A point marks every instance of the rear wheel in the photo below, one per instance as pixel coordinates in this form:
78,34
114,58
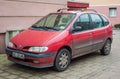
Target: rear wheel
62,60
106,48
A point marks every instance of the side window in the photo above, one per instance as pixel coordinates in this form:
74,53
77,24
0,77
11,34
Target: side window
82,22
105,21
96,21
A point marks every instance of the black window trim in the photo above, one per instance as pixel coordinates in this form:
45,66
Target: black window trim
91,20
103,20
71,30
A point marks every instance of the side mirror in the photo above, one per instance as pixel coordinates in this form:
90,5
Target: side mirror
76,29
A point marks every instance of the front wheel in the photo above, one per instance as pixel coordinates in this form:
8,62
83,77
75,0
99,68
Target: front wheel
106,48
62,60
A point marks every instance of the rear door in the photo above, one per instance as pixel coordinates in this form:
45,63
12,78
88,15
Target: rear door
99,31
82,39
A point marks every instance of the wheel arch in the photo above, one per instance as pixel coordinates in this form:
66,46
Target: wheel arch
66,47
109,39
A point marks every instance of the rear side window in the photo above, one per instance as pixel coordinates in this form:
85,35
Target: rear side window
96,21
105,20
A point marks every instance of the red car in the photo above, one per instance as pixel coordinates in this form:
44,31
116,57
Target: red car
59,37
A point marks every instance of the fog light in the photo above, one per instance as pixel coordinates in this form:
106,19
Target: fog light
36,62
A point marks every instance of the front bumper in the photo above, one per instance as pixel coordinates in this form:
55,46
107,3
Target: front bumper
43,60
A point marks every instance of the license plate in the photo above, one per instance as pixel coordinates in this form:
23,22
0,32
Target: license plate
18,55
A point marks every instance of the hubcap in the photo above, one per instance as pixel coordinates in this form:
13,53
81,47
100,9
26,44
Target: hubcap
107,47
63,60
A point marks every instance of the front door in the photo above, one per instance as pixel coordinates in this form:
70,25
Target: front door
81,36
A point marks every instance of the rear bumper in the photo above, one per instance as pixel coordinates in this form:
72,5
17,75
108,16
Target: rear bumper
44,60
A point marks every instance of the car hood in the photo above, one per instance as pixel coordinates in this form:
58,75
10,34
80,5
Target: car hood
34,37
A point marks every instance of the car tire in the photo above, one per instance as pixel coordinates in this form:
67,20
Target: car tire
106,48
62,60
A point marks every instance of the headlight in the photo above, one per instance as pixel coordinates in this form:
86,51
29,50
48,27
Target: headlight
38,49
10,44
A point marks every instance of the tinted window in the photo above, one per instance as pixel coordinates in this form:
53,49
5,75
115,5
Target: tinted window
96,21
105,21
83,22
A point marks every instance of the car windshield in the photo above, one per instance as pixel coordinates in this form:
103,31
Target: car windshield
54,22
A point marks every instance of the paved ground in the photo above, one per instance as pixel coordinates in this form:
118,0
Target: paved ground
91,66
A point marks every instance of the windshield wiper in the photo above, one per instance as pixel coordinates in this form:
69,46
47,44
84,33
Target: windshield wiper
52,28
43,28
39,28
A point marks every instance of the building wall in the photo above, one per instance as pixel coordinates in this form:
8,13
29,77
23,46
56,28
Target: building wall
21,14
100,2
104,9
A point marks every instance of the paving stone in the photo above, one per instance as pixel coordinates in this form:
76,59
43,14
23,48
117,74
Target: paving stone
71,77
21,78
35,77
57,78
25,75
1,71
49,76
16,72
4,74
12,76
2,78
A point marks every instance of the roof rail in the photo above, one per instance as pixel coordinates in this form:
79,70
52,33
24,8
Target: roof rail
69,9
62,9
72,9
